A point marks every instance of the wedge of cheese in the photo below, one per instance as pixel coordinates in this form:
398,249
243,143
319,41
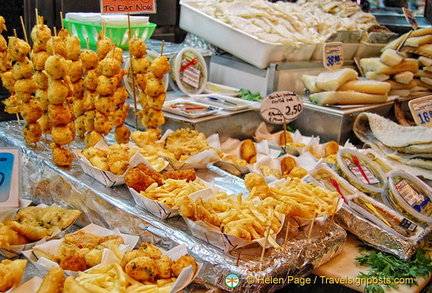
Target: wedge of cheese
333,79
404,77
391,57
309,82
376,76
366,86
346,98
375,64
394,85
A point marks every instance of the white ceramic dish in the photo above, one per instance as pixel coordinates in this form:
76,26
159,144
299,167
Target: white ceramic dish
224,102
189,109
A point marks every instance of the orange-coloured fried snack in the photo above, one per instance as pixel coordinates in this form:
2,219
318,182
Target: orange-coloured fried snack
287,164
138,180
151,172
247,150
11,272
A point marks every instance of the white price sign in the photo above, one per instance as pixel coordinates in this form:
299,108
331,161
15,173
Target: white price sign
421,110
281,107
333,55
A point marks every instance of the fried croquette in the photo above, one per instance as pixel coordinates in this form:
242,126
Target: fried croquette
183,262
61,156
138,180
151,172
150,250
142,269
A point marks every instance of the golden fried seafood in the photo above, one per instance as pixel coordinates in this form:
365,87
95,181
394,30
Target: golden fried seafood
139,65
82,238
56,67
91,80
100,163
38,59
8,236
3,44
89,99
58,91
75,70
183,262
73,262
138,180
298,172
53,281
154,85
89,59
61,156
80,126
287,164
32,132
90,152
2,24
12,104
137,47
92,137
130,255
11,273
116,53
31,111
119,115
153,118
60,114
18,49
40,34
160,66
78,89
24,87
104,104
42,96
102,123
142,269
41,80
8,81
110,66
184,174
5,63
186,142
89,120
256,184
331,148
157,102
45,124
107,85
73,47
122,134
248,151
56,46
62,135
31,231
285,137
119,167
103,46
150,172
140,80
78,107
164,267
23,69
120,95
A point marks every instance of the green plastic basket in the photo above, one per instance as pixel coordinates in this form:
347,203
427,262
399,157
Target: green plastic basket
118,34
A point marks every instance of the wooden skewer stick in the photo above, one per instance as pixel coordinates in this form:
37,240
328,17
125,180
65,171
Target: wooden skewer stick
24,29
332,216
238,257
61,19
15,33
18,119
311,227
286,236
162,47
267,234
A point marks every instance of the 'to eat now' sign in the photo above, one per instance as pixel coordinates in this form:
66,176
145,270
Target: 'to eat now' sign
128,6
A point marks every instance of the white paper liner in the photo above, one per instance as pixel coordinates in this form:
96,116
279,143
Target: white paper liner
108,178
213,235
197,161
30,286
108,255
14,250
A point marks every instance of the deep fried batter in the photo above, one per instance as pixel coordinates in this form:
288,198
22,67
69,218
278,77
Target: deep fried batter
138,180
183,262
185,174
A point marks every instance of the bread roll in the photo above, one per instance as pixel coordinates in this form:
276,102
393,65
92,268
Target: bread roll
366,86
248,150
346,98
332,80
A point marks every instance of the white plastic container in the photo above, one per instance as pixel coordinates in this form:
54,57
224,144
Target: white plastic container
361,172
410,196
189,73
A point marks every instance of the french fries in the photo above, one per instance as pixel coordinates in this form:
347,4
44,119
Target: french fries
172,189
112,278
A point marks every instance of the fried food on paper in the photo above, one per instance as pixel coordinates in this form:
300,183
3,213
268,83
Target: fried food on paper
285,138
287,164
256,185
11,273
138,180
248,151
71,285
53,281
184,174
182,263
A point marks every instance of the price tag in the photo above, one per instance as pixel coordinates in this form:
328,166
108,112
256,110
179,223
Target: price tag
333,55
421,110
9,177
410,18
128,6
281,107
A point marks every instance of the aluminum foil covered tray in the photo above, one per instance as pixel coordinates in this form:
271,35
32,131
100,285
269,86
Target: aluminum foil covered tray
115,208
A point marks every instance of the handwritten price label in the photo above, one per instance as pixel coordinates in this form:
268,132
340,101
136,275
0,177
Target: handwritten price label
333,55
281,107
421,110
128,6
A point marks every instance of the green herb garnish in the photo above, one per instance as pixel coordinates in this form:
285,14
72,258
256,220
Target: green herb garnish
391,269
248,95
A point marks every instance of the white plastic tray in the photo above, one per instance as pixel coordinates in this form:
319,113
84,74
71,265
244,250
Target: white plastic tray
245,46
225,102
189,109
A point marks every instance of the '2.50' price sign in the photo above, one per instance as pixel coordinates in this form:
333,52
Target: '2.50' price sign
421,110
281,107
